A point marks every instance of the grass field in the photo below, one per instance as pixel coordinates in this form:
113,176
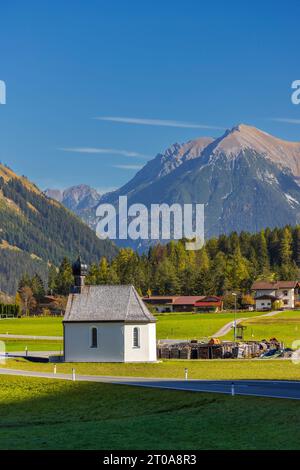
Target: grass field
39,326
32,345
191,325
197,369
171,325
285,326
53,414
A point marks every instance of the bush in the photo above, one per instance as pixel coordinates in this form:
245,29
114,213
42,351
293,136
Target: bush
9,310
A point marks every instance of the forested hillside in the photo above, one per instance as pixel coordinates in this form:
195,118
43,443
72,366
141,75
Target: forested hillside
224,264
36,231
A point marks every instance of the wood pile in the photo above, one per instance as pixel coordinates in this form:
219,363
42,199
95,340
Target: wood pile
215,349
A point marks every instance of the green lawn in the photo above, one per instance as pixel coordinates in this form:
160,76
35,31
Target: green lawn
172,325
39,326
191,325
53,414
285,326
197,369
32,345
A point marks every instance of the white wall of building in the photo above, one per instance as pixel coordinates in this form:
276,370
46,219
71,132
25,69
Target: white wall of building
115,342
77,339
286,295
147,349
264,304
266,292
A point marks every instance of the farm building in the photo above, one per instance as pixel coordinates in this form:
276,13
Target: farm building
107,323
185,303
209,304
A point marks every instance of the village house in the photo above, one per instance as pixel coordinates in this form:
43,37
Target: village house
107,323
184,303
267,292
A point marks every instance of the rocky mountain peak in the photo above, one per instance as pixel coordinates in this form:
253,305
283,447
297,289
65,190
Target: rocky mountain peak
242,137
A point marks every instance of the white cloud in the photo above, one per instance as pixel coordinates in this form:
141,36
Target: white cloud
287,120
128,167
104,151
157,122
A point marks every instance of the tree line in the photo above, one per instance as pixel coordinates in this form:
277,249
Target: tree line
224,264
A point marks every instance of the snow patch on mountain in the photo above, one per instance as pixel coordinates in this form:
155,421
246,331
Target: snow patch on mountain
292,201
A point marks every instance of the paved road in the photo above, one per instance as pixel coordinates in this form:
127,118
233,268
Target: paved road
260,388
271,389
226,328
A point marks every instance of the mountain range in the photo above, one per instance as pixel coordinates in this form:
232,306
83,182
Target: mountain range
246,179
37,231
81,199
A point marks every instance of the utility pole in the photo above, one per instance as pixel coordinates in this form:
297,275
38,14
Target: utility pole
234,322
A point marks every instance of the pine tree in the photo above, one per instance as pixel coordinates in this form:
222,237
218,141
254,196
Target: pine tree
166,281
64,279
37,287
285,248
52,279
296,245
93,275
103,271
262,252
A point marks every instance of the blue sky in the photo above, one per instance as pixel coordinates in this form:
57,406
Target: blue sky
162,64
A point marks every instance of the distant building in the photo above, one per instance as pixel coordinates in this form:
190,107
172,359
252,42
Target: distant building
107,323
266,293
185,303
209,303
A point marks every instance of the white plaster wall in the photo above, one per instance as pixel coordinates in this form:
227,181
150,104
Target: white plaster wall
266,292
259,304
78,342
290,297
147,350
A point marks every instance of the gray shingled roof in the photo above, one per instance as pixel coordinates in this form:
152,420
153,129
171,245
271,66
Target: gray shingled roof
107,303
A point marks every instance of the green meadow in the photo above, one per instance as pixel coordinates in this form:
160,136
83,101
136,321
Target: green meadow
56,414
16,345
169,325
35,326
285,326
194,325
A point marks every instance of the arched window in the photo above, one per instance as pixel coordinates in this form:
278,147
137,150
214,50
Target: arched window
94,337
136,337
